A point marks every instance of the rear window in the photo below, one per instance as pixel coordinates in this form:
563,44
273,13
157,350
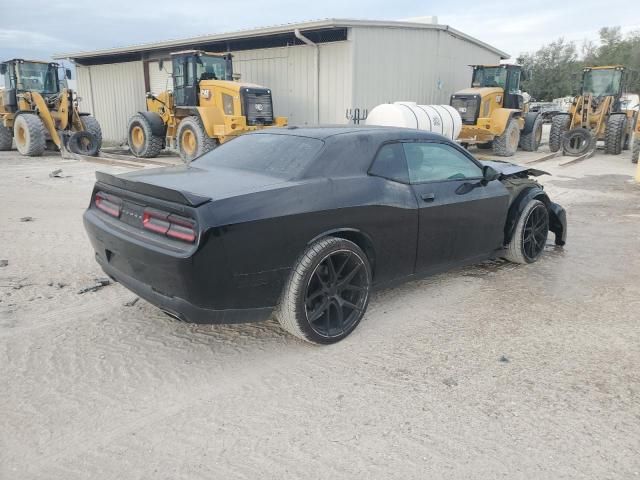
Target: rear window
284,156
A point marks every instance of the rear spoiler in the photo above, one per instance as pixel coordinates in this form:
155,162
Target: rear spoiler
175,196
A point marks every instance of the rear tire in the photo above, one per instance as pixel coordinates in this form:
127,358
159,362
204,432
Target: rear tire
530,235
92,126
30,135
614,134
559,126
327,293
142,142
192,139
529,142
6,138
506,145
635,150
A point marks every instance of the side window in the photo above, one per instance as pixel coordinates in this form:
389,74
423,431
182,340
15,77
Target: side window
433,162
390,163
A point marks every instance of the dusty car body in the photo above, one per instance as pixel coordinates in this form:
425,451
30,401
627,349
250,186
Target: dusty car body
237,233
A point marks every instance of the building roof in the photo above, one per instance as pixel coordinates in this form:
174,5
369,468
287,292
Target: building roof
330,23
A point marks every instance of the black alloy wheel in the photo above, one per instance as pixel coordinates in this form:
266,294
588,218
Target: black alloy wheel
536,229
337,293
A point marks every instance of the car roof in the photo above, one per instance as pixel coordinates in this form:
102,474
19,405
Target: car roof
322,132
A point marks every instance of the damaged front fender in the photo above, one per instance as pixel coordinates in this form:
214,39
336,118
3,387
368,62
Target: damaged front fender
557,214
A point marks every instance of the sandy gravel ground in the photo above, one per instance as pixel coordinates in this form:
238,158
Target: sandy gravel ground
494,371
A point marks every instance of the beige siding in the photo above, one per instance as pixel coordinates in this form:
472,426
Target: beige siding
336,77
290,72
112,93
401,64
160,79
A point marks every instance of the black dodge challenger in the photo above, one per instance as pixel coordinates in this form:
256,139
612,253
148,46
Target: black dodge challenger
303,223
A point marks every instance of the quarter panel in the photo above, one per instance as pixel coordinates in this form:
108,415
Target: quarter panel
264,233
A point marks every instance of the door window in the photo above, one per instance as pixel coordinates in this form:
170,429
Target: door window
390,163
435,162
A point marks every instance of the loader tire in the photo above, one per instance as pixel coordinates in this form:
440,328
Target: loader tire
506,145
192,139
92,126
30,135
142,142
529,142
614,134
578,142
559,126
635,149
83,143
6,138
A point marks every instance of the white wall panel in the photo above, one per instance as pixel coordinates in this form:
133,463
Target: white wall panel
112,93
403,64
160,78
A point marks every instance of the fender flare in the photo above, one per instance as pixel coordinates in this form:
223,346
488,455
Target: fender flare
158,128
360,238
529,121
557,214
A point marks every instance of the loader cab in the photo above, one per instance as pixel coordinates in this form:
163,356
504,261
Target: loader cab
29,76
193,66
506,77
603,82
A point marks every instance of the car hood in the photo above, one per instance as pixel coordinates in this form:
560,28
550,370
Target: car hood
511,169
192,185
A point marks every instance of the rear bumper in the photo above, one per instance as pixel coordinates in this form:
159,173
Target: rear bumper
182,283
182,309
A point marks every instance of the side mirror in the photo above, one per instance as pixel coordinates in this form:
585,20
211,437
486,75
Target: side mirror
489,174
67,73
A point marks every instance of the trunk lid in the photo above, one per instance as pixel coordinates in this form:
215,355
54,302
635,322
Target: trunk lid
190,185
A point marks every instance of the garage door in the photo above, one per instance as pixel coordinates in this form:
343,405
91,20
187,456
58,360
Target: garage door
160,78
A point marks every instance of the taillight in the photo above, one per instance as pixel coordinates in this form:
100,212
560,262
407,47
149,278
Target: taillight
108,204
173,226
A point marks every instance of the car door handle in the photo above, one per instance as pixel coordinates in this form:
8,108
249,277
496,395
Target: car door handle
428,197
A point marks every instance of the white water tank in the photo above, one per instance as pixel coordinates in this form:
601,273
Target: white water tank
442,119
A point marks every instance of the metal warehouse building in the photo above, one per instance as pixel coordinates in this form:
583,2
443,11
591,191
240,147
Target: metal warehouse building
316,70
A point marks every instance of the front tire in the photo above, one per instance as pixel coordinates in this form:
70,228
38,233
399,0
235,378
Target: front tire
327,293
193,140
614,134
635,149
6,138
530,235
30,135
142,142
559,126
506,145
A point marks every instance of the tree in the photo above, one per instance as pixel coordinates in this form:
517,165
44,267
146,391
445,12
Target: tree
551,70
554,69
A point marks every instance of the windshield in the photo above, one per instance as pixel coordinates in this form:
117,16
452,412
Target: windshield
600,83
211,68
489,77
285,156
37,77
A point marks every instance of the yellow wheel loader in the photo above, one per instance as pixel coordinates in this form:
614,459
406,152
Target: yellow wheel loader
205,108
597,113
35,111
493,112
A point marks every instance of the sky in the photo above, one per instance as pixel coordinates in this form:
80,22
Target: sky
514,27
